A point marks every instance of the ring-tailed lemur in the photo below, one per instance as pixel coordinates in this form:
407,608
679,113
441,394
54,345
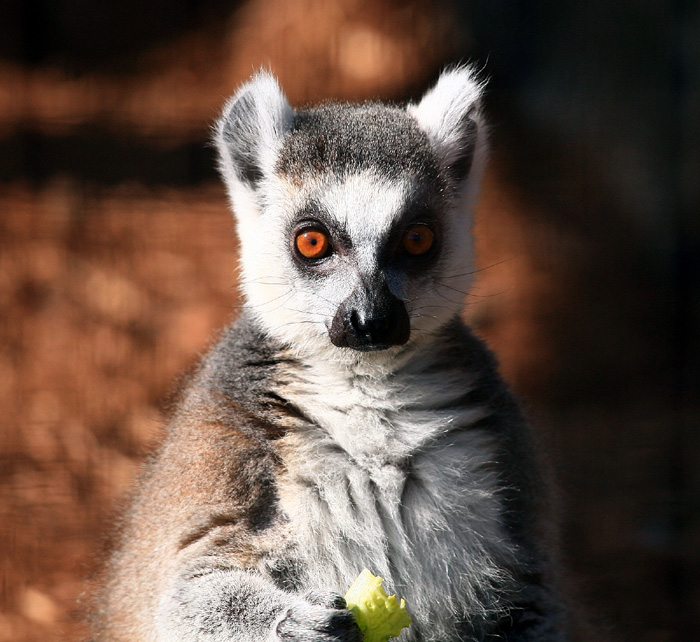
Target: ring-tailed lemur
348,419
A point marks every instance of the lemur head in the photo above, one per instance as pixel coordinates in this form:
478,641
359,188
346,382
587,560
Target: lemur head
354,220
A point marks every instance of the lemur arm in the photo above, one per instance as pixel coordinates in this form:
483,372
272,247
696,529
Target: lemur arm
220,605
193,564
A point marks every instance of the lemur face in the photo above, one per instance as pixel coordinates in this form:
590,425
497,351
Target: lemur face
354,220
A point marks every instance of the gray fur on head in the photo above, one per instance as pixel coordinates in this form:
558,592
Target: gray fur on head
257,118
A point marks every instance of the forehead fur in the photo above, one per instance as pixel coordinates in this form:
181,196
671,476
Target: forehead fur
346,139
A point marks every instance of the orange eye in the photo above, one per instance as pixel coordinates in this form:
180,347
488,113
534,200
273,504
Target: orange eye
312,244
418,239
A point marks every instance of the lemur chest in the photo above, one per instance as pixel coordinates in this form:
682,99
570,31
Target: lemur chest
387,482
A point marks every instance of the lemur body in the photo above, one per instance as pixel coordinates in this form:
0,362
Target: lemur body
349,418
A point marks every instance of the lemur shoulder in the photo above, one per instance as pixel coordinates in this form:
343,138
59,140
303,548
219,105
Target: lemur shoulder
348,418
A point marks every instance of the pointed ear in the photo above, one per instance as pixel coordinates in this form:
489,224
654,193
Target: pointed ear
249,132
450,115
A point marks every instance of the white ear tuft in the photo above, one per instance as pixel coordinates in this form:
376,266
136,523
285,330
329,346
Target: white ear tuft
250,130
450,115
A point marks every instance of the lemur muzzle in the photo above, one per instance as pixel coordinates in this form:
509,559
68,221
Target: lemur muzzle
370,320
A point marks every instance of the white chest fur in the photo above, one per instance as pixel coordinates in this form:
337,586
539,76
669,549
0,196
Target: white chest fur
389,476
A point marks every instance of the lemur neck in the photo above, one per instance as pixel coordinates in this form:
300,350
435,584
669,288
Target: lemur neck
383,409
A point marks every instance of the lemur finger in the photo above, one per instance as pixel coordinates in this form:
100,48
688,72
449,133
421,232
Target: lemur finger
313,623
328,599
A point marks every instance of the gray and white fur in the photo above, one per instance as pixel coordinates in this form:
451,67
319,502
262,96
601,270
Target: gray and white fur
349,418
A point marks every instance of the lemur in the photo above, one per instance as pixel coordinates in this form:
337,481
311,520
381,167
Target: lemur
348,418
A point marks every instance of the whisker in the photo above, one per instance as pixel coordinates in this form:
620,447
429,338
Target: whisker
430,307
300,322
259,306
271,280
470,293
319,314
480,269
454,289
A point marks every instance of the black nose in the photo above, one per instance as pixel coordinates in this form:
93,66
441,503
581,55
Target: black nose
373,320
374,329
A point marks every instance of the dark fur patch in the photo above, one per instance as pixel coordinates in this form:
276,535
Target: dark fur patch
242,145
460,169
259,363
343,139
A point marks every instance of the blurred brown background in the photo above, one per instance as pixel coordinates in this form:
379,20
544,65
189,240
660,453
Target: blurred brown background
118,261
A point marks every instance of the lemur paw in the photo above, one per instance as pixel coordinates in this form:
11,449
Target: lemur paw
320,616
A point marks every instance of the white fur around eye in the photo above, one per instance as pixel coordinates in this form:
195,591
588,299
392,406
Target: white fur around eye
295,309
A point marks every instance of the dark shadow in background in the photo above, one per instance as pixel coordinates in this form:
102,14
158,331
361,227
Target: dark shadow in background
103,156
82,36
598,109
79,37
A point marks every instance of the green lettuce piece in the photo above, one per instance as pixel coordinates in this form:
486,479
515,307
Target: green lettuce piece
378,615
